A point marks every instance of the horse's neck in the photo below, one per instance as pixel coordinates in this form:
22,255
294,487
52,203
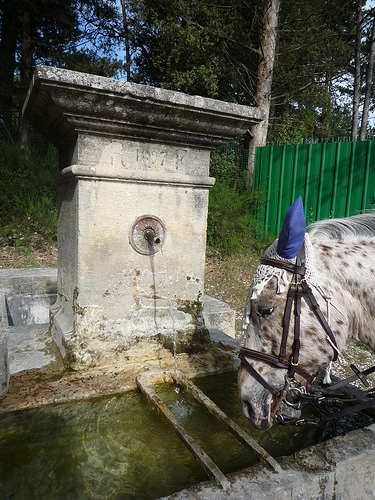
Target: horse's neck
348,271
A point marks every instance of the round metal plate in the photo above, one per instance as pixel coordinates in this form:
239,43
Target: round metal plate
140,227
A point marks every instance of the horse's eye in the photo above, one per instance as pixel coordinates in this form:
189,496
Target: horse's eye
263,312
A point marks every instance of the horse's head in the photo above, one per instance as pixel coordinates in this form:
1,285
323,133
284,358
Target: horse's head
265,315
260,399
275,366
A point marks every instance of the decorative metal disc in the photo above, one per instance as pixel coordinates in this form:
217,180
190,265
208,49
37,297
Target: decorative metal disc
147,234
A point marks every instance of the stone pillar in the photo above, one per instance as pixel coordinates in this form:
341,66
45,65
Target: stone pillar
134,164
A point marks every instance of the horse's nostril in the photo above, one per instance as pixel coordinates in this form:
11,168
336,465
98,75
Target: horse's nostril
247,410
257,420
265,424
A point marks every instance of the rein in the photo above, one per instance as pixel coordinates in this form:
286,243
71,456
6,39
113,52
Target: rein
299,288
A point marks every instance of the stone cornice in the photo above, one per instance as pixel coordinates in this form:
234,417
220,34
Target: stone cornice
61,104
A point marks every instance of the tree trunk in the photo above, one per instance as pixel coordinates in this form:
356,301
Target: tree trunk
267,53
369,73
127,42
357,73
26,74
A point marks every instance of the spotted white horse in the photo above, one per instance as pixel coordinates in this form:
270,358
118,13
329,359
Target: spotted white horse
332,267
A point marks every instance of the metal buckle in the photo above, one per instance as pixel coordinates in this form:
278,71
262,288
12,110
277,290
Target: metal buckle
300,391
283,395
300,421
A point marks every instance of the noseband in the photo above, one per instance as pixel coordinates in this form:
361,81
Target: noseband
298,288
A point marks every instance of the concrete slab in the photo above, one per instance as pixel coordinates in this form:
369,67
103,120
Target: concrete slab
30,281
30,347
224,340
29,309
219,315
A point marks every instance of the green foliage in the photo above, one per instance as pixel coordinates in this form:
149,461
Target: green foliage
232,221
196,47
75,35
89,62
212,49
229,165
28,198
314,61
28,201
232,210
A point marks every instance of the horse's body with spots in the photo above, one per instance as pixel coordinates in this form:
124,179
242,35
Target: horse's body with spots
342,260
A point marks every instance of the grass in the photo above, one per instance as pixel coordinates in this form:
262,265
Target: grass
228,278
28,204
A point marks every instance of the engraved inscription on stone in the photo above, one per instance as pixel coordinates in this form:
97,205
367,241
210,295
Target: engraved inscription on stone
150,158
119,156
112,154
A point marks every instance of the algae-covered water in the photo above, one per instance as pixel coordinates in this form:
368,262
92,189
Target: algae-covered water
119,447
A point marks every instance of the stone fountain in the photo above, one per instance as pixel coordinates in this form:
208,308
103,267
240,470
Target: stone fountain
133,187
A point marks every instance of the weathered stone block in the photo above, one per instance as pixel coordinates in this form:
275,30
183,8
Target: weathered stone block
128,152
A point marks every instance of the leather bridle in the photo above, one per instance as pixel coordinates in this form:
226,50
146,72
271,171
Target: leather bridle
291,394
298,289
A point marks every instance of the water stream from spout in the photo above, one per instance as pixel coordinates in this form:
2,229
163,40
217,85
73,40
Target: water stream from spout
170,303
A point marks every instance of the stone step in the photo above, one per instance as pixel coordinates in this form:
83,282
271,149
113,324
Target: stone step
30,347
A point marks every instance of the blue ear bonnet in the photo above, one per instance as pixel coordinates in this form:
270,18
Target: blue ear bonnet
293,231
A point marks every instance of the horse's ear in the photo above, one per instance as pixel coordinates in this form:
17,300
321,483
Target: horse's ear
293,231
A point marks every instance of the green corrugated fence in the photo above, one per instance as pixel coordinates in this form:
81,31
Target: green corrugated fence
333,179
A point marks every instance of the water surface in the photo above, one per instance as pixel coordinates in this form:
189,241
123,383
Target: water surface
119,447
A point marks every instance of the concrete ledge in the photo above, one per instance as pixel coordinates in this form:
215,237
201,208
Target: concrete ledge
43,281
31,281
218,315
30,347
61,102
341,468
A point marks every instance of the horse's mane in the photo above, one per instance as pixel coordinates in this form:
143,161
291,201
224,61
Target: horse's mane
362,225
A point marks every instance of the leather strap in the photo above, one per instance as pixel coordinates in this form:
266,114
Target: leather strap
272,360
331,416
320,316
297,289
286,322
286,266
298,271
257,375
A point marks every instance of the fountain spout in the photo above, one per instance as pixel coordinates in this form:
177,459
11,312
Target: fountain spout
151,237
